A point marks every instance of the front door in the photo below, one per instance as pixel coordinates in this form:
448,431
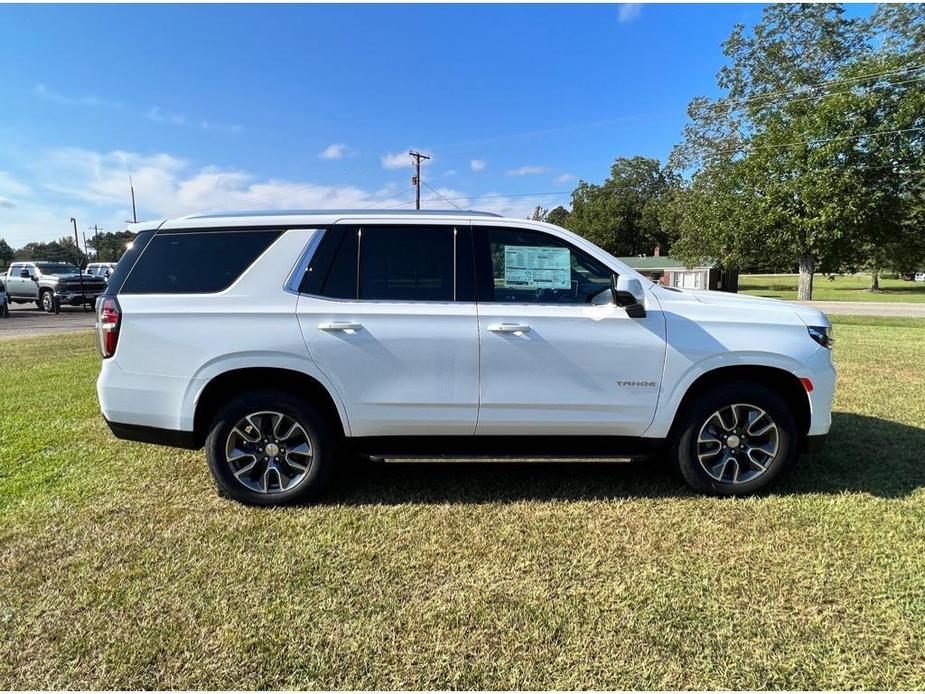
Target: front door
557,356
388,314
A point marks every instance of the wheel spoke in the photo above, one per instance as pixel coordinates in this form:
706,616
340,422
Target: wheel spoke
750,450
269,452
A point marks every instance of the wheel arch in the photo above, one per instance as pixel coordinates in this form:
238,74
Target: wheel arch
783,382
233,382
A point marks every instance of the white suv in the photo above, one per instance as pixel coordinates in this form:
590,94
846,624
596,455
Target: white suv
277,340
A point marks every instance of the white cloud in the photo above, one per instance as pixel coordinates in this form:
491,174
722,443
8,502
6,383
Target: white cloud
335,151
93,101
54,185
527,171
477,164
158,115
399,160
628,11
451,172
565,178
8,204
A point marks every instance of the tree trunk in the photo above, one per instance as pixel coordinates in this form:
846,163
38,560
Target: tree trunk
875,280
805,287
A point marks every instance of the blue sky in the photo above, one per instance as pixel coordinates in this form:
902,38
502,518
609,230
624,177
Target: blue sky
239,107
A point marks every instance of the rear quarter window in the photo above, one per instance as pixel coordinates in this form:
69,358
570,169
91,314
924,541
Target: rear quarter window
195,262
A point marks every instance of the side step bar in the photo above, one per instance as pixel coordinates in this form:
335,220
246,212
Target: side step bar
502,459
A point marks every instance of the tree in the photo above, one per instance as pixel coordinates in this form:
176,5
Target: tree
558,216
538,214
623,214
63,249
110,246
788,145
6,253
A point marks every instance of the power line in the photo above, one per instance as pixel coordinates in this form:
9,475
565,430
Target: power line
389,199
829,83
442,196
819,141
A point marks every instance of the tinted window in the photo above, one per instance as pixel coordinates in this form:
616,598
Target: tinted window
198,262
406,264
341,280
528,267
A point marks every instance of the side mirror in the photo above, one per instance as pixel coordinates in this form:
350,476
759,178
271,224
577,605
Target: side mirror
628,293
24,274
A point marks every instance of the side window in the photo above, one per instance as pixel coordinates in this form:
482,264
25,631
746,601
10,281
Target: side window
195,262
531,267
407,264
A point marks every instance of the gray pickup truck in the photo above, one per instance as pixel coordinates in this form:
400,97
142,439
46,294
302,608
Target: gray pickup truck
50,285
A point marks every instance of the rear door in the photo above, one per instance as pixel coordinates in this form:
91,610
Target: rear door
557,356
388,314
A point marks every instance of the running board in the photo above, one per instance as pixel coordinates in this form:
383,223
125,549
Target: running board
501,459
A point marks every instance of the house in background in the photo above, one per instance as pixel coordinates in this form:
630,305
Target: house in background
673,273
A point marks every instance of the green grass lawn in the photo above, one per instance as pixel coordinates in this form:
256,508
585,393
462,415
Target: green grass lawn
120,568
842,288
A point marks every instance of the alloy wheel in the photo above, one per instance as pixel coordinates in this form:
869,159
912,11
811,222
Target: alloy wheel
269,452
737,443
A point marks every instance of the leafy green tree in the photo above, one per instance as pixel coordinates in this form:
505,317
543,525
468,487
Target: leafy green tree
6,253
558,216
623,214
110,246
787,145
64,250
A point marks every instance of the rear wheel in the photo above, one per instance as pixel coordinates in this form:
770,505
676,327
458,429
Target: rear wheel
270,448
735,440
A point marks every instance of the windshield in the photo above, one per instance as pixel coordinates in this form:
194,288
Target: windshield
57,269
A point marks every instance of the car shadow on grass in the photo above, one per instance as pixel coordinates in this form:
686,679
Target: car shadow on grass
863,454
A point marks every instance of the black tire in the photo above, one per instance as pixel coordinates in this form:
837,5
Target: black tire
684,442
38,305
47,301
314,424
6,309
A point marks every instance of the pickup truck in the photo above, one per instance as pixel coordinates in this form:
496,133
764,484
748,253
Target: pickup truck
50,284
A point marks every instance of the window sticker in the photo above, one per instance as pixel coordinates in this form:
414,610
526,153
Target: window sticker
537,267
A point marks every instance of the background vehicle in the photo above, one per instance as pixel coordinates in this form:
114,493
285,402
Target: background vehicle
102,270
49,283
277,340
4,301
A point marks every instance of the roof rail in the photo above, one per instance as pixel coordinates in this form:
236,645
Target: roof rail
344,213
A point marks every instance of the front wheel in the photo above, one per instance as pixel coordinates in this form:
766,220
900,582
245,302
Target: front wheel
269,448
48,301
735,440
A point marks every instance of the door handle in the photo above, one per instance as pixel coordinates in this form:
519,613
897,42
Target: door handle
509,328
332,326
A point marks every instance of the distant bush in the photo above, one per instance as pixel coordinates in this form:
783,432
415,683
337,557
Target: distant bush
889,275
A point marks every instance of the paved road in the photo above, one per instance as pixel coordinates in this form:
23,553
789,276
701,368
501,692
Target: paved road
26,320
868,308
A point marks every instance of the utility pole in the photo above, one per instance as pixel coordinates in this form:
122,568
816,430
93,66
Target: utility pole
80,272
96,241
131,185
416,180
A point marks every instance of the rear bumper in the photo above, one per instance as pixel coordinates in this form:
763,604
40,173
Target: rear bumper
161,437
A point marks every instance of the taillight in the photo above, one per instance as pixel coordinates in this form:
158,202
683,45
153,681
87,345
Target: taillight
107,325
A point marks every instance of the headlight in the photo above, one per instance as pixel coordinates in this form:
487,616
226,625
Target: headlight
822,335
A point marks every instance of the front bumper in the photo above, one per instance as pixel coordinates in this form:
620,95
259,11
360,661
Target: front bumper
74,298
